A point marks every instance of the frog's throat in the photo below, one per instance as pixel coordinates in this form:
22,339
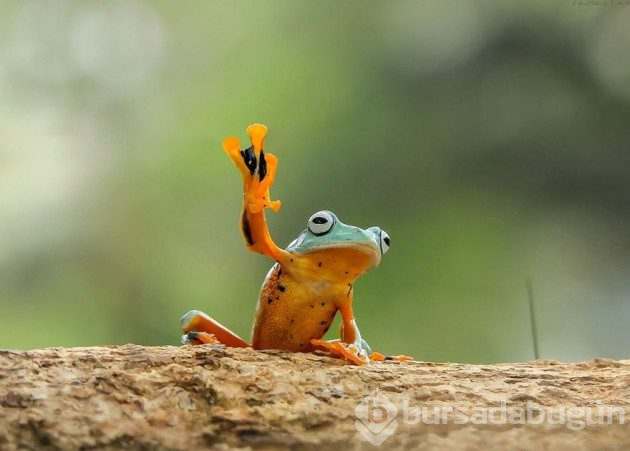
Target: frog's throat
370,249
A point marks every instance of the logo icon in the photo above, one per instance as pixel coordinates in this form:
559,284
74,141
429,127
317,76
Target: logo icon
376,417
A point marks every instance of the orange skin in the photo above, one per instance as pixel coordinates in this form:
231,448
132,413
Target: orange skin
292,313
303,291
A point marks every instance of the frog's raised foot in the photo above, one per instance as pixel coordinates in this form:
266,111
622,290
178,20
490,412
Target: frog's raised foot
258,169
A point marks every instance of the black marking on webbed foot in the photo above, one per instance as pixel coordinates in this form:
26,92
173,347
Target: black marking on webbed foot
262,166
247,231
249,157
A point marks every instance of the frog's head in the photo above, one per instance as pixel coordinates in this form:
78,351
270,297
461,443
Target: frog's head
335,246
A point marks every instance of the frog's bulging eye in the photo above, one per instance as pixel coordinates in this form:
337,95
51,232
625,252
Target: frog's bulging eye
321,223
385,240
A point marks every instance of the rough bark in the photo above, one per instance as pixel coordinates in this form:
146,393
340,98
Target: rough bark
211,397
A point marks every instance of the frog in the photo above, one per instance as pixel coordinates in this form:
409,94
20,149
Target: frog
311,280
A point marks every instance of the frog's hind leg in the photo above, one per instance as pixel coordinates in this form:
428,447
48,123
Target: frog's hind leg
199,328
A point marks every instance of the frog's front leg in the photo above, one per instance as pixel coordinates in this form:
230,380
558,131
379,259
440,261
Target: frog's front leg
258,170
351,346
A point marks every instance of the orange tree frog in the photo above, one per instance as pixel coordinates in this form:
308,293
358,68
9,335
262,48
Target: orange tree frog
311,280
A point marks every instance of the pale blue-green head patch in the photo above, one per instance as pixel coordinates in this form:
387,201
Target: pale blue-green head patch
324,230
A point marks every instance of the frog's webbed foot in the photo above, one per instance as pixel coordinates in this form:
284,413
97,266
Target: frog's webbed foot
352,352
199,338
257,168
358,353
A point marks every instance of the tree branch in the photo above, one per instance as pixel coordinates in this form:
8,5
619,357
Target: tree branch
209,396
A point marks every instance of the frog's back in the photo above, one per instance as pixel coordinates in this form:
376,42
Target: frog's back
290,314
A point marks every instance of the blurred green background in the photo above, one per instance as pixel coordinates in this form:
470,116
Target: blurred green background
490,139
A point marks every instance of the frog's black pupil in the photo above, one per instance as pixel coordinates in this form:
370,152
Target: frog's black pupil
320,220
386,239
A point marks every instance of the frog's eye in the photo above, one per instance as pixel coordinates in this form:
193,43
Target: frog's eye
321,222
384,241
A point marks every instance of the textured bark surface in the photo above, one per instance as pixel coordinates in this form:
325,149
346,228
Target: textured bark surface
212,397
